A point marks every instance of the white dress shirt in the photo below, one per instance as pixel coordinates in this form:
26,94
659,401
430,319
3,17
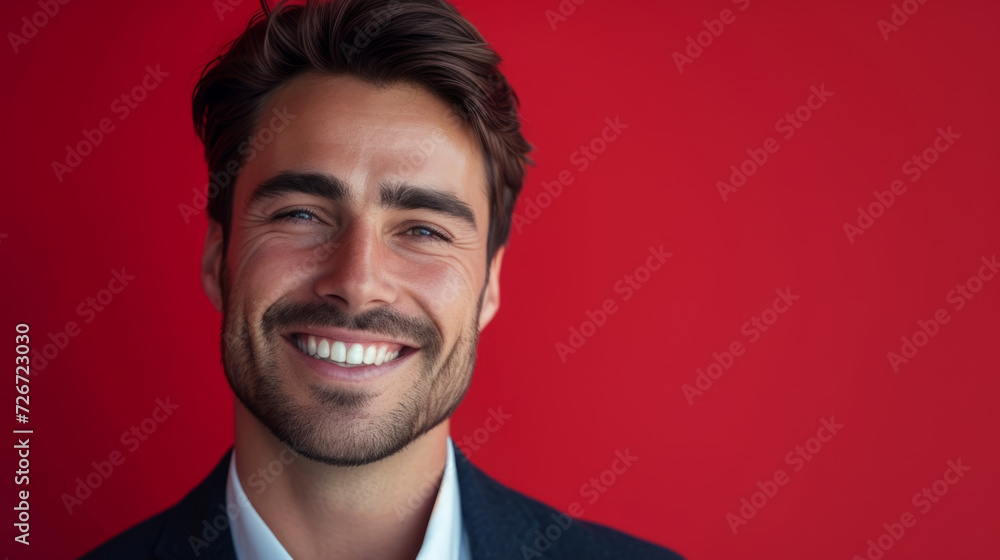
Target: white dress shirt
445,538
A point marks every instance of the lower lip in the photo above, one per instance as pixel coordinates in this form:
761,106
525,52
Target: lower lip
328,370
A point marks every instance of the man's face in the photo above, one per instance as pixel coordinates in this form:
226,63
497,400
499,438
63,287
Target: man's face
358,235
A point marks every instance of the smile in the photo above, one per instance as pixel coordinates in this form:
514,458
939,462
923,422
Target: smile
349,354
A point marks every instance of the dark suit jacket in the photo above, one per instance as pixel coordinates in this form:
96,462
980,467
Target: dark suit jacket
501,523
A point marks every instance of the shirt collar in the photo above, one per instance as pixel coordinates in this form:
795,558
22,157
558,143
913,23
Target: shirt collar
445,537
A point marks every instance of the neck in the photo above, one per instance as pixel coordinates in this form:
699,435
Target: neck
380,510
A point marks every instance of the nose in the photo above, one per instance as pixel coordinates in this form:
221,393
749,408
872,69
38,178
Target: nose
355,273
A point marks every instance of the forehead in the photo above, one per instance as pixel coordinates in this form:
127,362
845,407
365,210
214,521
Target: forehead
364,135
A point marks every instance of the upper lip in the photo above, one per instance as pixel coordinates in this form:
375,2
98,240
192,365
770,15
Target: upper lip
349,336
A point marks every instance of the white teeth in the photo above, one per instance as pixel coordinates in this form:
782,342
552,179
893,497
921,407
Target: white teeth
355,354
338,352
370,353
345,353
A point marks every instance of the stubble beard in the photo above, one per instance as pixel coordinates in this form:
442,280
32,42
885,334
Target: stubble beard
336,426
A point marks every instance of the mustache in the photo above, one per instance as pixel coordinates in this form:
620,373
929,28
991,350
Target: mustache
283,316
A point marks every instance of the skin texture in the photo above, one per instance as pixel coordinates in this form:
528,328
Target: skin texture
362,450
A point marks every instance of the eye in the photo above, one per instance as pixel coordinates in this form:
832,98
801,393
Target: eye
429,233
296,215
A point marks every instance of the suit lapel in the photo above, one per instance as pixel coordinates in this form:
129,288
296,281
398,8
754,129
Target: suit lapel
198,527
494,516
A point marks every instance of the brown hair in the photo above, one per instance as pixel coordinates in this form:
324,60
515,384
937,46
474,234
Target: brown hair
384,42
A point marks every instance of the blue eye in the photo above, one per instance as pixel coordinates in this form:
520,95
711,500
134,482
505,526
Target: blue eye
296,215
304,215
430,232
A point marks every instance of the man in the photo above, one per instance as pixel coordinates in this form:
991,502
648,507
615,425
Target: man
366,156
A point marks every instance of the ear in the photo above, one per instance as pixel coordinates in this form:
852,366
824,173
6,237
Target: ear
211,264
491,298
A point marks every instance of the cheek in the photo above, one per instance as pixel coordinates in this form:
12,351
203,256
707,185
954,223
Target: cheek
445,287
272,267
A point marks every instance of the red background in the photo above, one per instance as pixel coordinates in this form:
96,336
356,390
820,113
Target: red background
654,185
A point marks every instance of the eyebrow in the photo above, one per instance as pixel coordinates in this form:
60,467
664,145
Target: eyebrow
393,195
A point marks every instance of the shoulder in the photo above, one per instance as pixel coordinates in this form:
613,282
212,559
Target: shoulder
196,526
504,523
137,541
615,544
562,536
